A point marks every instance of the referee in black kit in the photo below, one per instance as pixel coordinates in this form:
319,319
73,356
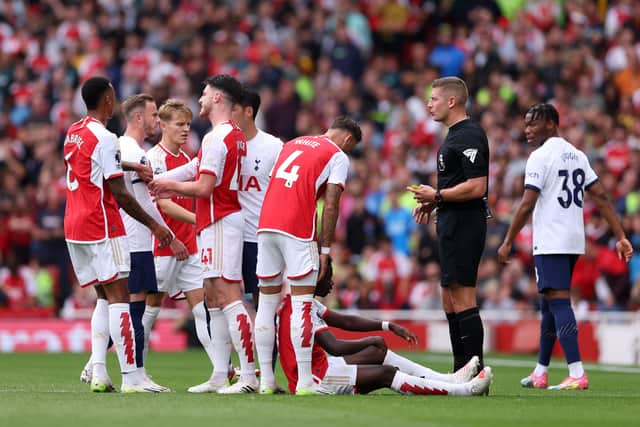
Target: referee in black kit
463,168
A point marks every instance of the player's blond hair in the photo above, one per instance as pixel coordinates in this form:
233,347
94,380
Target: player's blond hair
173,106
453,86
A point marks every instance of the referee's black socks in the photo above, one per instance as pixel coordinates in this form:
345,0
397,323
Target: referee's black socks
459,357
471,334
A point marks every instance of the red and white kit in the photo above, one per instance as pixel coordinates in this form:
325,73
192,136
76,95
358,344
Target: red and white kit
288,218
176,277
219,221
93,228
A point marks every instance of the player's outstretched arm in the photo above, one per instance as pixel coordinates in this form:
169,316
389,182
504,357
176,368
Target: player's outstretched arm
176,211
166,189
335,347
362,324
127,202
144,171
329,220
623,246
525,208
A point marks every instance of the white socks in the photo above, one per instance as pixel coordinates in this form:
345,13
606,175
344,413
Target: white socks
221,343
407,384
540,370
121,332
148,319
100,337
576,370
408,367
200,319
241,332
265,335
302,337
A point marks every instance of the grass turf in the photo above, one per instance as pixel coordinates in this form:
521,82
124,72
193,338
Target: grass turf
44,390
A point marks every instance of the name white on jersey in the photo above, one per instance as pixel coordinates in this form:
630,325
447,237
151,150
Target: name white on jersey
262,153
138,235
561,173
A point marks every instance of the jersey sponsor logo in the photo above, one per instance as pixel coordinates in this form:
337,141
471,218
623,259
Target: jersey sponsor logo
440,162
157,171
471,153
534,175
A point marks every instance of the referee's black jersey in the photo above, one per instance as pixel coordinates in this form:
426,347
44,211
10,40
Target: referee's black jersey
463,155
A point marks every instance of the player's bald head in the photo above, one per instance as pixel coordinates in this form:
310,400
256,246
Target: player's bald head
453,87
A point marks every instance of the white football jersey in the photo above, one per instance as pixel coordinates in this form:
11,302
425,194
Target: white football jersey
561,173
262,153
138,235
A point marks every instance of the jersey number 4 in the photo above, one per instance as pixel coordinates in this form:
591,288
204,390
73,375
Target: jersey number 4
289,176
575,195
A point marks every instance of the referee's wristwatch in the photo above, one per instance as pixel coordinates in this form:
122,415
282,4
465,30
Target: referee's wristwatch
438,197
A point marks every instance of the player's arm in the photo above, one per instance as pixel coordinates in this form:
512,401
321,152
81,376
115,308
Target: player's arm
525,208
471,189
335,347
166,189
329,219
623,246
129,204
144,171
176,211
184,172
362,324
141,193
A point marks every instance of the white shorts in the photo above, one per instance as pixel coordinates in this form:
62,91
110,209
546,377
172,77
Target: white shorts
220,247
340,377
100,263
176,277
278,251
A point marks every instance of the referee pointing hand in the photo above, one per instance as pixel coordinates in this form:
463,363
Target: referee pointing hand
463,167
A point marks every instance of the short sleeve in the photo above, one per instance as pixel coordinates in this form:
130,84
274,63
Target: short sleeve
590,175
214,153
534,173
473,160
339,169
110,157
134,154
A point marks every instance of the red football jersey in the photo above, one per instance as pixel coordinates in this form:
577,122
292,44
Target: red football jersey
161,161
220,155
319,362
92,156
304,167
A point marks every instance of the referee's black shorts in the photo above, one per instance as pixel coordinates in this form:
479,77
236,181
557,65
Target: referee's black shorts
461,237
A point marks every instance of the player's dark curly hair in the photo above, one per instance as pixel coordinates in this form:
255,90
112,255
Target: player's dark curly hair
544,111
93,90
227,84
348,124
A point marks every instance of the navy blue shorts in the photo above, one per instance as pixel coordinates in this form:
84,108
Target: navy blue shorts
142,277
249,261
554,271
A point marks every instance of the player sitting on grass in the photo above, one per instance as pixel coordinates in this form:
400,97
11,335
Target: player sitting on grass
366,364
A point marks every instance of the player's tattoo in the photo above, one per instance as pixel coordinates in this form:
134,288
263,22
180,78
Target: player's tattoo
330,213
127,202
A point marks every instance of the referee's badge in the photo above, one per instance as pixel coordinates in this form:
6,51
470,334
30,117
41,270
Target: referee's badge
440,162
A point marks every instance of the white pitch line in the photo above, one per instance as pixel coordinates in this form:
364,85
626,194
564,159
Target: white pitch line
527,364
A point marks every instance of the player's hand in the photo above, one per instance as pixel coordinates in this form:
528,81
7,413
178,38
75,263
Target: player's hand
161,189
404,333
324,266
503,252
422,212
423,193
144,172
162,235
179,250
624,249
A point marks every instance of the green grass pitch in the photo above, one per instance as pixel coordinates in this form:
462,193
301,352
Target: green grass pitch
44,390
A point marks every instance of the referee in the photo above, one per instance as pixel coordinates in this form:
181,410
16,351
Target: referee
463,167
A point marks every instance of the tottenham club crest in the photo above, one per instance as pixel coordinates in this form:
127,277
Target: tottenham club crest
440,162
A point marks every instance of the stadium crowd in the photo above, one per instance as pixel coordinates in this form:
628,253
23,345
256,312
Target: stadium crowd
310,61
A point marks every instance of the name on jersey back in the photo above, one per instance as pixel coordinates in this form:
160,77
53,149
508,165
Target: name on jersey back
569,156
74,139
308,142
